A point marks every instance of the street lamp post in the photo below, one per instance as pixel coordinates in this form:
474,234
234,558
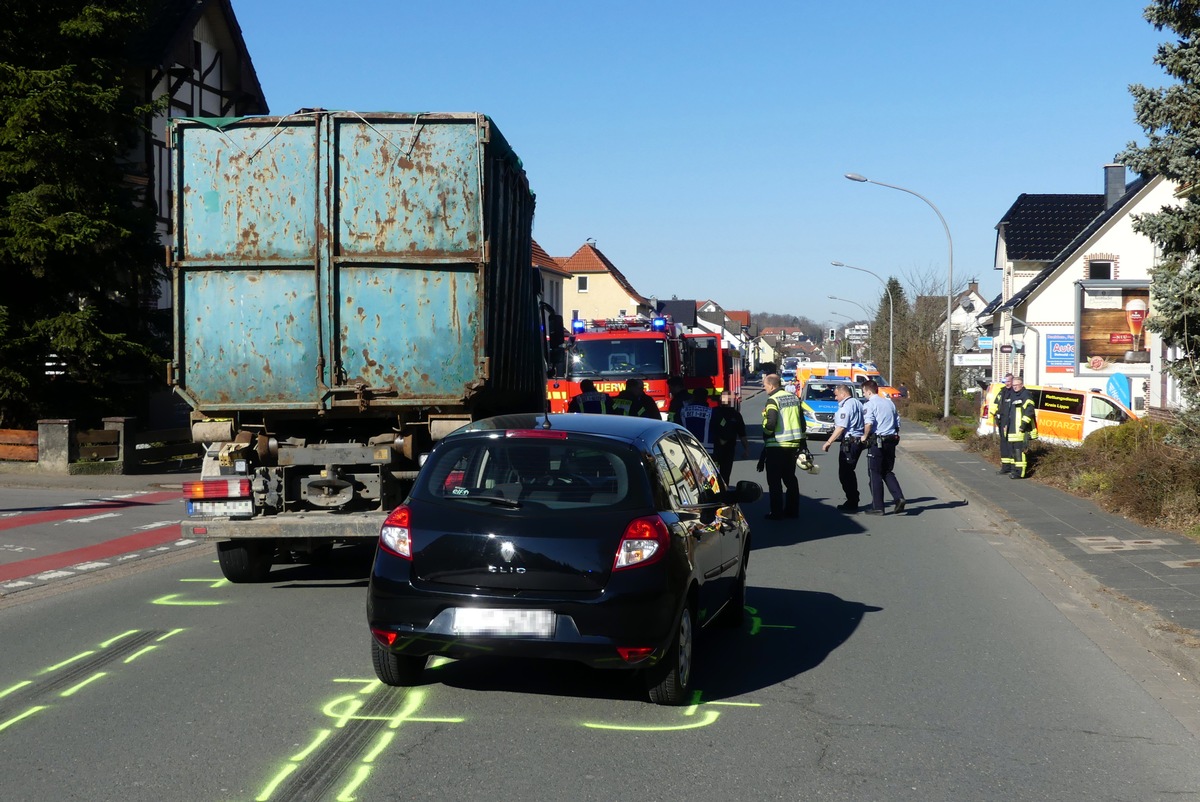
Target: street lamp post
949,273
866,311
891,313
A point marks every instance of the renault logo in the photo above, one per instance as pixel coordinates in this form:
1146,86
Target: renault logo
508,551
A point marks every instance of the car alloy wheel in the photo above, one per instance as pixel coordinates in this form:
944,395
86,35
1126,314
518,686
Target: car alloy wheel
670,681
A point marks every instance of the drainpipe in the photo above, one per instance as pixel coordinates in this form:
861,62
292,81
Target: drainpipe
1036,339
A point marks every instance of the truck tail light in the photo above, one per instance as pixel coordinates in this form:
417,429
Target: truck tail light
395,536
217,488
645,541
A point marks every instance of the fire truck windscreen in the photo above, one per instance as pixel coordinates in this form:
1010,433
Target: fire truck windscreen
645,358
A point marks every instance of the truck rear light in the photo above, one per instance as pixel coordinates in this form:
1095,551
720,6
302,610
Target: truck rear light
645,541
634,654
395,536
217,488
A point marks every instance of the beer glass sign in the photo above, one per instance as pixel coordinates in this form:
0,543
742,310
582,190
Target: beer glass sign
1112,328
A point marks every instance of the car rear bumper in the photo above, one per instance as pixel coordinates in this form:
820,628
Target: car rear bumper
633,611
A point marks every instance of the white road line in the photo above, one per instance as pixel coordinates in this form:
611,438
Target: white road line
18,584
88,566
91,518
158,524
55,575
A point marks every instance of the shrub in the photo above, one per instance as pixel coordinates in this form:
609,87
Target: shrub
958,432
923,413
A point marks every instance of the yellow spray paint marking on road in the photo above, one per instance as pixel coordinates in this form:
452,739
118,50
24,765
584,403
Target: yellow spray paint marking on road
103,656
703,720
71,691
757,626
212,583
347,710
174,600
4,725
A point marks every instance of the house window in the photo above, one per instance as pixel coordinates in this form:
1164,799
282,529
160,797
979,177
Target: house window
574,314
581,283
1100,270
621,313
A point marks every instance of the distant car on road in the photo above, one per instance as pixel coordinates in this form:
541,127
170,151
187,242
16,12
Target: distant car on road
819,404
595,538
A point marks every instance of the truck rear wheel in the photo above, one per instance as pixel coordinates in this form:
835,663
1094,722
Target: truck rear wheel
246,560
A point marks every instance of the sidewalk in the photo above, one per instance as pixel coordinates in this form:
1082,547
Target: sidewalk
1152,576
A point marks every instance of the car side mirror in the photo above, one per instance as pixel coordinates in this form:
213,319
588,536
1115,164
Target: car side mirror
745,492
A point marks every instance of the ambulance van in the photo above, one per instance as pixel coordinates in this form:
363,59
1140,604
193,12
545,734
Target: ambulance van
1064,417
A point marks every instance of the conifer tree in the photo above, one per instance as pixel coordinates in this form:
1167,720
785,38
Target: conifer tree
78,250
1170,117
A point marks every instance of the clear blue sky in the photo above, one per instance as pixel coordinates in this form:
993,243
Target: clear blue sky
703,144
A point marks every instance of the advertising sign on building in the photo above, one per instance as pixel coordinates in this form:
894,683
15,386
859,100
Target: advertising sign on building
1111,329
1060,353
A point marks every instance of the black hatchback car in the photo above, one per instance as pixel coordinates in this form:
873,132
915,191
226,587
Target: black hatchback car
596,538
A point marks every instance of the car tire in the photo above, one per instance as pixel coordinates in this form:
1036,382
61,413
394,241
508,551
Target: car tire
669,682
397,670
246,560
734,613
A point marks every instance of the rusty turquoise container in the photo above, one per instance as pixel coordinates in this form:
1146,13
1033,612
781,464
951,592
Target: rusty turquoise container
354,264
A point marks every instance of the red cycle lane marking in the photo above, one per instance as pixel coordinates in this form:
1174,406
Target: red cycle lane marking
100,551
84,510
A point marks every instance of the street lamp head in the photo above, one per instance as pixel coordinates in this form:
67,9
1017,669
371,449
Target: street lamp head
856,177
838,264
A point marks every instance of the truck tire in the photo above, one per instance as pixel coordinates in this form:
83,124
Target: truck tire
397,670
246,560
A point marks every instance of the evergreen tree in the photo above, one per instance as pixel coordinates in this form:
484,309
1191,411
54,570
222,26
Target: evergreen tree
1170,117
78,248
887,335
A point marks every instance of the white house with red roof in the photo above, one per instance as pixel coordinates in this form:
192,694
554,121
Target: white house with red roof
596,289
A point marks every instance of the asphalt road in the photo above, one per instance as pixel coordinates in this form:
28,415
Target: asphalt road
926,656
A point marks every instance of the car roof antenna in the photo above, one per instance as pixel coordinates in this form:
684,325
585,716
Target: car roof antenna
546,412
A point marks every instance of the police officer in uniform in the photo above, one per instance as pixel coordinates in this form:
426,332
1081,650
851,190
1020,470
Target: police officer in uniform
848,429
881,429
590,400
783,436
1000,415
1021,426
634,402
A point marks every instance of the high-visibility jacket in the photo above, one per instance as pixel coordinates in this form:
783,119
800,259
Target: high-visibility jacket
594,402
697,419
641,407
788,430
1020,417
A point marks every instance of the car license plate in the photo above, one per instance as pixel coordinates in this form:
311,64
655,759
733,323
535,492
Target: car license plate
505,623
244,507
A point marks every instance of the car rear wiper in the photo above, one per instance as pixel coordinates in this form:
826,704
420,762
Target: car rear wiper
511,503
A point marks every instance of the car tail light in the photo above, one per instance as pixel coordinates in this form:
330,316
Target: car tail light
634,654
645,541
395,535
217,488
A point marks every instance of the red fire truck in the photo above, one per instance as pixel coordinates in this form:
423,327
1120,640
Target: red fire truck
610,352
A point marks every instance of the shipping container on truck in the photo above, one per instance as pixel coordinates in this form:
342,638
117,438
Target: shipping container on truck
349,288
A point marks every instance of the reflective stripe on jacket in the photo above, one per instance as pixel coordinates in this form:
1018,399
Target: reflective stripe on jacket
789,426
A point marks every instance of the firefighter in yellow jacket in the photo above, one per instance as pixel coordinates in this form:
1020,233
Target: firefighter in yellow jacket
784,436
1020,427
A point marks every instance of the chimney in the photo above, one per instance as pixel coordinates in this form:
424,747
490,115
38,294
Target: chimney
1114,184
973,286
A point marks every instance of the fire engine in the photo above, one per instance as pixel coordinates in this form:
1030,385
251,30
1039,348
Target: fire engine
612,351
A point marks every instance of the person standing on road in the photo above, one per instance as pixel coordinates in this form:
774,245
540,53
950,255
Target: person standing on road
881,429
677,398
1000,418
848,429
1021,427
634,402
590,399
728,427
903,388
783,437
696,416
